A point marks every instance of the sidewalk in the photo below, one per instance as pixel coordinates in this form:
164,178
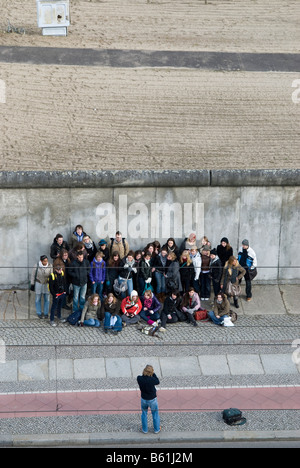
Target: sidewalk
78,385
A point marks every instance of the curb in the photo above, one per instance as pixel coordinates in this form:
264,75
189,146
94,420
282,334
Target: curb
150,178
103,439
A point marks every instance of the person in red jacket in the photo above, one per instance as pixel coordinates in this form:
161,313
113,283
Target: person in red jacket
131,307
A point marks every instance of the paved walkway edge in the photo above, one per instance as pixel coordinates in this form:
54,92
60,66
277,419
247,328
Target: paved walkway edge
103,439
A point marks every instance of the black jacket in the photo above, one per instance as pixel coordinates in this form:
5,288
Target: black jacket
79,271
55,248
57,283
147,386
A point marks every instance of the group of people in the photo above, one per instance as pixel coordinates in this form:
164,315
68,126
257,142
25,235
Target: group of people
159,284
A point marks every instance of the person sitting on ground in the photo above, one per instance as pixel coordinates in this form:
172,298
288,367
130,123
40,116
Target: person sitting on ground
131,307
221,309
191,303
110,310
91,311
171,312
151,308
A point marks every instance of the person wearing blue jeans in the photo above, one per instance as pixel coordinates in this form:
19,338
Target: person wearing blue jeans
221,309
91,312
147,383
78,272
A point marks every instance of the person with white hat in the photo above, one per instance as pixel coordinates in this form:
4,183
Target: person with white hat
131,307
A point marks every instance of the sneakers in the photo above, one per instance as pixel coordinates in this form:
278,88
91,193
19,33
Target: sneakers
53,324
157,432
162,329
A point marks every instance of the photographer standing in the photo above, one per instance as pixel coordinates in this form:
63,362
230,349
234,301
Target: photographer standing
147,383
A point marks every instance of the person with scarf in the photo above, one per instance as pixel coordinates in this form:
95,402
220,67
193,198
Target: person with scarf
39,283
91,312
151,308
77,236
128,267
146,270
131,307
89,247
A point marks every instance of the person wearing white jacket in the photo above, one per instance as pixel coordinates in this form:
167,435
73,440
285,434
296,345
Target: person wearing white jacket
248,260
197,262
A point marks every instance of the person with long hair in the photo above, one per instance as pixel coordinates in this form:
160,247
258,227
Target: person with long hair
232,274
91,311
131,307
147,382
110,309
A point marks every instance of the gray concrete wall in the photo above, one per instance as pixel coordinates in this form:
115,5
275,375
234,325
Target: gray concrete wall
143,209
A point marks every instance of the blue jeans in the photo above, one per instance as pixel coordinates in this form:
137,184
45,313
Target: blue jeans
38,304
153,405
98,288
79,293
129,286
160,282
91,323
57,306
217,321
145,315
117,326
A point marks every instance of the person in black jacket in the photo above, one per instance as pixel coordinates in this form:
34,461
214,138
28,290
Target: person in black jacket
57,288
171,312
58,244
216,270
147,383
78,272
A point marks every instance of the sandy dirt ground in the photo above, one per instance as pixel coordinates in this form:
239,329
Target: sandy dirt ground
95,118
228,25
64,117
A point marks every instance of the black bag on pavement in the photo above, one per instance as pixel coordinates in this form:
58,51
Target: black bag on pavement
233,417
74,318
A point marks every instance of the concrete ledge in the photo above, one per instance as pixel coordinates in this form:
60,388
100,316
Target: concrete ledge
103,439
149,178
255,177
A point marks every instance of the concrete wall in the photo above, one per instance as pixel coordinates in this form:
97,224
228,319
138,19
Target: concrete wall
261,210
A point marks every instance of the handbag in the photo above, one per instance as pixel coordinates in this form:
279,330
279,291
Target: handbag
252,273
201,314
233,417
233,289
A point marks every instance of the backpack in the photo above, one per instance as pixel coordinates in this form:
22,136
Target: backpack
74,318
111,244
233,417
